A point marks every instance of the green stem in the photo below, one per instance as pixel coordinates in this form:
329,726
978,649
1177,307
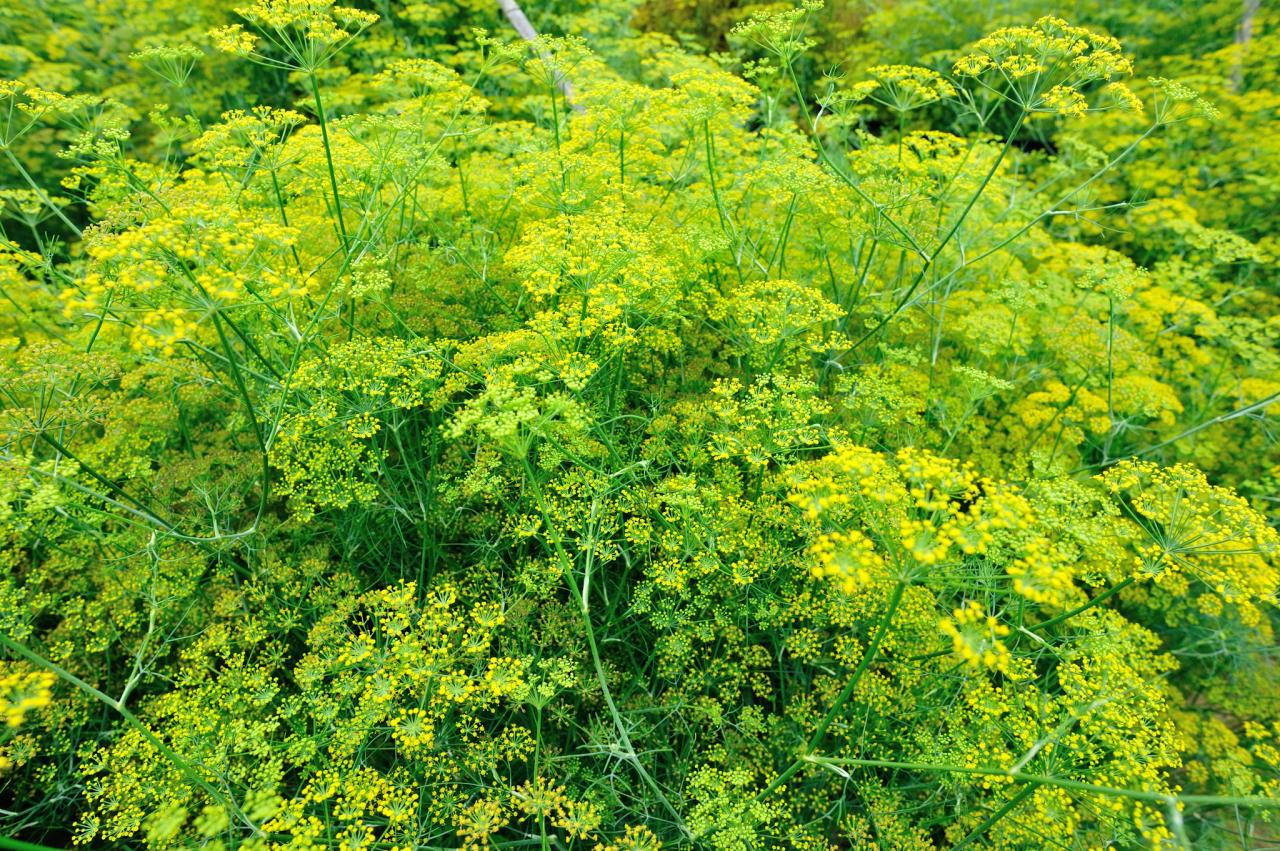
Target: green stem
258,435
1061,783
537,754
1222,418
144,510
40,193
991,820
328,157
946,240
725,221
18,845
181,764
1037,219
1105,595
585,610
867,658
844,178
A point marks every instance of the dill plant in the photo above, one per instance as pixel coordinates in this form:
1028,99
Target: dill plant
415,438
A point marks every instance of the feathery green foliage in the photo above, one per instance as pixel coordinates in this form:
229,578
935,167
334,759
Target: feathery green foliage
812,428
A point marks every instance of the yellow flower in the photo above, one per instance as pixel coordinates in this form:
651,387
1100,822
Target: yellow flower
22,693
975,637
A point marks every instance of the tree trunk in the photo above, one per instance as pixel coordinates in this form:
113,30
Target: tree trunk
520,22
1244,34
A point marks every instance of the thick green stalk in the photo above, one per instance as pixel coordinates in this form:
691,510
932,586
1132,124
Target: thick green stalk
18,845
328,158
991,820
1105,595
867,658
584,609
40,193
132,720
1166,798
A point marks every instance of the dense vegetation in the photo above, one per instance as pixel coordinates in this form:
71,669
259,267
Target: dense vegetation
707,426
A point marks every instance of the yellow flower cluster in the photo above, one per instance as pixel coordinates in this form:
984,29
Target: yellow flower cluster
976,637
847,557
1023,51
549,806
907,87
308,32
595,442
172,274
24,692
1042,575
1049,67
917,506
1195,537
